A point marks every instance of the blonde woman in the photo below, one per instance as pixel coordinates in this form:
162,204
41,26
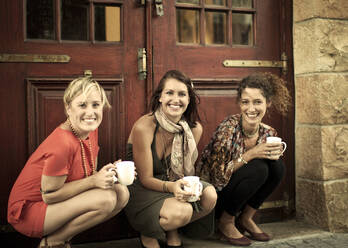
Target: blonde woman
59,193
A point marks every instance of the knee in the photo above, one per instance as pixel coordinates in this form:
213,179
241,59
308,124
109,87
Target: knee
209,198
278,169
181,215
259,171
122,196
106,202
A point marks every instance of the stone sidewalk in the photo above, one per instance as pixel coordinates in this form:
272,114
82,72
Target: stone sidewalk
287,234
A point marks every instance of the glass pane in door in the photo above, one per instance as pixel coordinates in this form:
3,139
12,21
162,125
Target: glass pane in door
242,3
74,20
188,1
215,2
187,26
242,29
40,19
107,23
215,31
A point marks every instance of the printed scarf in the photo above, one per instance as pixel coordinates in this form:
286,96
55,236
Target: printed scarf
184,149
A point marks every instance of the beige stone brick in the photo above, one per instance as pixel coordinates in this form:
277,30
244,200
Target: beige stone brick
322,98
335,152
336,193
324,204
308,152
311,204
320,45
306,9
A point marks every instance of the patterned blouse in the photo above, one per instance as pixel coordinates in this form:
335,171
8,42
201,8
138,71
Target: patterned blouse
226,144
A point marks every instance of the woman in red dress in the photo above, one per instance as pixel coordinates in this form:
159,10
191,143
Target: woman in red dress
59,193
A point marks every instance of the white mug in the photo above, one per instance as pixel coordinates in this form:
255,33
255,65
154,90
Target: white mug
273,139
195,187
125,172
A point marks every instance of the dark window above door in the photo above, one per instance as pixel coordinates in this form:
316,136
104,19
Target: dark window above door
215,22
74,20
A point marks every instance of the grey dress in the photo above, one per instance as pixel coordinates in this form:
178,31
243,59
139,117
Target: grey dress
144,205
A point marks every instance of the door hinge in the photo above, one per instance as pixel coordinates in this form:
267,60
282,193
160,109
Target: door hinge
283,63
142,70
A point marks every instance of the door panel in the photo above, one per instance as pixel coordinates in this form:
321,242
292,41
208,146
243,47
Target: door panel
195,55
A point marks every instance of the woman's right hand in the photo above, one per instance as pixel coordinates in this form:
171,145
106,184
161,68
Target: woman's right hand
178,190
104,177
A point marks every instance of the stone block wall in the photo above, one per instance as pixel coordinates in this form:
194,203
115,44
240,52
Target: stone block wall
320,29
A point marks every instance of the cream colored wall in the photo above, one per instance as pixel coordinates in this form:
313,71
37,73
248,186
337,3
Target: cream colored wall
321,132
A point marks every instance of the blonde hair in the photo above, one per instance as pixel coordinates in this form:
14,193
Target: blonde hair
84,85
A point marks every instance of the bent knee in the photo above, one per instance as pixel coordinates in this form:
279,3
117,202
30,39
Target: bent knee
122,196
259,170
106,201
209,198
180,214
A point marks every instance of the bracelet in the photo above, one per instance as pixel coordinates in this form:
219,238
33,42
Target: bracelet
241,159
165,188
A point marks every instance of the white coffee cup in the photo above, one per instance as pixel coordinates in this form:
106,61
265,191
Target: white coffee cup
273,139
125,172
195,187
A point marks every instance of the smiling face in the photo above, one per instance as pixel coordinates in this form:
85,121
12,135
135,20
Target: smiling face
174,99
253,106
85,112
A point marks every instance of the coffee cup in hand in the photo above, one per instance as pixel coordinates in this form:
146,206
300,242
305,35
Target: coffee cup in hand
125,172
273,139
194,187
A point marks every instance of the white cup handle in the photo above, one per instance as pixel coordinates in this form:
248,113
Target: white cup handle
284,144
200,188
114,177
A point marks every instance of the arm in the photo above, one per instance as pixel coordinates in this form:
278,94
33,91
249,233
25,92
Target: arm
197,132
54,189
142,136
214,165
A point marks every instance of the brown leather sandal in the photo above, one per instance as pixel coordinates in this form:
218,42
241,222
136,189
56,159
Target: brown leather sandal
62,245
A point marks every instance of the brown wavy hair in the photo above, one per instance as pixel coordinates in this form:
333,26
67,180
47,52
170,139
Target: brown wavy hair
273,88
191,114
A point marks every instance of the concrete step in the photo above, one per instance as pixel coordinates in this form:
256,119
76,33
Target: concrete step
282,232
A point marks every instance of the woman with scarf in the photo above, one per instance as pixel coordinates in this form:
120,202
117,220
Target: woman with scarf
240,164
163,145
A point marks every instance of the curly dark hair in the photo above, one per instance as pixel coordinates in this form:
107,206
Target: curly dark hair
273,88
191,114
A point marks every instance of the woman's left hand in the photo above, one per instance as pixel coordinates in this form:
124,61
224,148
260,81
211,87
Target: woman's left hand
270,151
273,151
179,193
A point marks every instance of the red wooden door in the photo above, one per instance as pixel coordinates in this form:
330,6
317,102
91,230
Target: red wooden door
44,45
198,36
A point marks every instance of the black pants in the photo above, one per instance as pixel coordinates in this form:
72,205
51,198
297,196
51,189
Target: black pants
250,185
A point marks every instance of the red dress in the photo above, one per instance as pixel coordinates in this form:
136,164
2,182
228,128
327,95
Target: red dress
59,154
